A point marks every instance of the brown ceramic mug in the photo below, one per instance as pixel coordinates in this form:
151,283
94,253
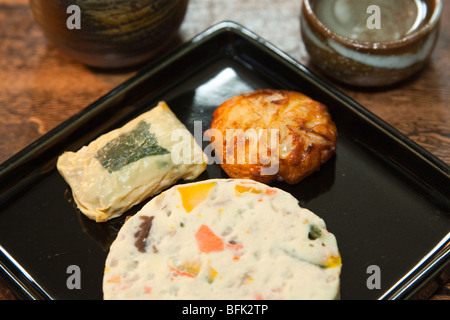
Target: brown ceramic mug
365,55
110,33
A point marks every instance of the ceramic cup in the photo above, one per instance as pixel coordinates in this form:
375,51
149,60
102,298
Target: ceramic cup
110,33
370,43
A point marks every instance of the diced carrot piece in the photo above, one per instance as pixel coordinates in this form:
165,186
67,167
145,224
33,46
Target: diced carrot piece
270,192
234,246
333,261
148,289
182,273
193,195
207,240
247,182
212,273
115,279
189,268
241,189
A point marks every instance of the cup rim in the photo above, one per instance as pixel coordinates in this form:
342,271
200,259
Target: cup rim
308,12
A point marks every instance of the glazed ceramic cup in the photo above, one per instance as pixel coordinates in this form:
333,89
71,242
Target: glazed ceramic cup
407,34
110,33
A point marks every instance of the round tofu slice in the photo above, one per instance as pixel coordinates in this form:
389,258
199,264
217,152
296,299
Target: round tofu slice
223,239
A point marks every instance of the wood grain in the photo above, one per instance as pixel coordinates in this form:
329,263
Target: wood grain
40,87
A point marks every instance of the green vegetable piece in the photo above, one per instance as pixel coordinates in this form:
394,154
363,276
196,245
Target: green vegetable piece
130,147
314,232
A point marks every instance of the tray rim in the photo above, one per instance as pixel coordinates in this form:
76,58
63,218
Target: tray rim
406,286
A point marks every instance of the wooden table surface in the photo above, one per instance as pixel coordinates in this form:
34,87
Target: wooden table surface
40,87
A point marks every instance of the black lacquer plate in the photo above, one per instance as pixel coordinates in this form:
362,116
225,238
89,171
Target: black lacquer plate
386,199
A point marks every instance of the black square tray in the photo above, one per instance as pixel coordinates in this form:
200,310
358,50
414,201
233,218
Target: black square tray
386,199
